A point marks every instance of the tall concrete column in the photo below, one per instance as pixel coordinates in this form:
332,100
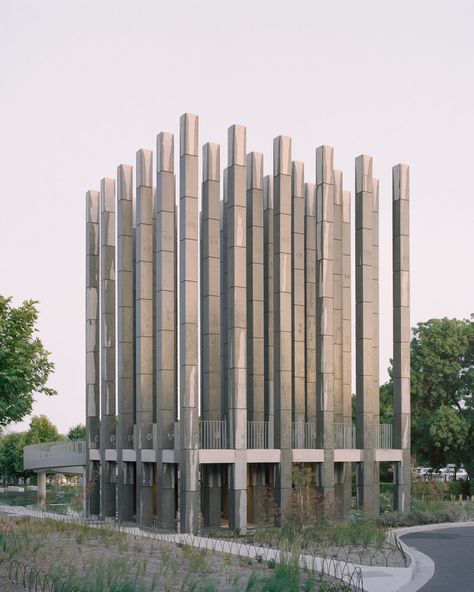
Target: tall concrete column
237,322
125,341
376,329
346,339
310,300
255,280
108,385
268,298
92,351
224,351
365,395
298,291
166,324
282,317
338,296
325,317
255,325
144,335
375,301
401,331
188,321
346,308
211,398
339,468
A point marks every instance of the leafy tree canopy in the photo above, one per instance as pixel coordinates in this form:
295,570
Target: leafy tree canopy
42,430
77,432
11,455
24,363
442,392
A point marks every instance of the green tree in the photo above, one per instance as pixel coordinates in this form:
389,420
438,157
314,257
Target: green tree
24,363
442,392
42,430
77,432
11,456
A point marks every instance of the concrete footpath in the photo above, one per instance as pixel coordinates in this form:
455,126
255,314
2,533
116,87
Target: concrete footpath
375,578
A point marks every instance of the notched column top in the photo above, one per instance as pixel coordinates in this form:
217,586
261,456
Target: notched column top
363,177
211,162
268,192
188,134
236,145
338,187
324,165
297,178
125,181
375,185
144,168
282,155
165,152
92,206
107,194
310,199
400,181
346,207
254,170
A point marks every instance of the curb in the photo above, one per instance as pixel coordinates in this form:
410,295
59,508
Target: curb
422,566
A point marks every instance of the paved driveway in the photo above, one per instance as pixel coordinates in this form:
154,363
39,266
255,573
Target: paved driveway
452,550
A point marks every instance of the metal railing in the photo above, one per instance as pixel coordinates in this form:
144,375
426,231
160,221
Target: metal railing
67,453
383,436
213,434
258,434
344,435
303,434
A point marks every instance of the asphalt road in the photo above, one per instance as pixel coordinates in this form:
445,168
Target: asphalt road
452,551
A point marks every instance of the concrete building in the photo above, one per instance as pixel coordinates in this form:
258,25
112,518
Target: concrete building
219,336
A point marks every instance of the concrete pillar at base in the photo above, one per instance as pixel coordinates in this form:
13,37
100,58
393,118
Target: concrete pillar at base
109,494
41,489
126,492
238,492
145,495
93,489
402,483
211,495
342,490
257,491
166,495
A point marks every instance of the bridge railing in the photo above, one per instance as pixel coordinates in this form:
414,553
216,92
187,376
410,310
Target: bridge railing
54,454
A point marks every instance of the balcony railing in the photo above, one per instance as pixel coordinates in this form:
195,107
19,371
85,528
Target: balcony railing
344,435
383,436
258,434
303,434
213,434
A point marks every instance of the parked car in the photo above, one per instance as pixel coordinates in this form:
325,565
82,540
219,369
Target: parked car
449,473
423,473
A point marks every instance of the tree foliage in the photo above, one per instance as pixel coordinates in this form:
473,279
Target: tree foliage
442,392
42,430
24,363
77,432
11,455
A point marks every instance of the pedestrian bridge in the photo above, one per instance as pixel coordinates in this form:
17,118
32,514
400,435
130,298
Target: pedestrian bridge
56,457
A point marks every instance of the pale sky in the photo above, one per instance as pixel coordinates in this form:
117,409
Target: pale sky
84,84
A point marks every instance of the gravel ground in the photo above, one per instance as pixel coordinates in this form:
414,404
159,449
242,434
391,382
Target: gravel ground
97,554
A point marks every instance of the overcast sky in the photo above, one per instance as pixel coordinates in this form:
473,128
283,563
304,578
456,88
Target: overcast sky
84,84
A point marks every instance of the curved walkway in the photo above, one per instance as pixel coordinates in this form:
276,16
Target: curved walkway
444,555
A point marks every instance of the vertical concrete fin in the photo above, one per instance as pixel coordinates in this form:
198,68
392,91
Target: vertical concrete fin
188,315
